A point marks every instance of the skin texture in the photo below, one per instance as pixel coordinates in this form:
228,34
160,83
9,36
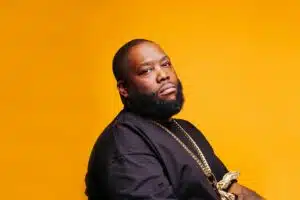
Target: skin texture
244,193
149,71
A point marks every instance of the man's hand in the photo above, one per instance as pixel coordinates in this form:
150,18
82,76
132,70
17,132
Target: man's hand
244,193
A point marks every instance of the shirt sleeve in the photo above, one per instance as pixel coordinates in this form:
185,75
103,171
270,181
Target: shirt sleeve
134,171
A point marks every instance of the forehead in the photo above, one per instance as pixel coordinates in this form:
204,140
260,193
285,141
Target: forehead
145,52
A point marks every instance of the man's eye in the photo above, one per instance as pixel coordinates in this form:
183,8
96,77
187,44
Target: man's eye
146,71
166,64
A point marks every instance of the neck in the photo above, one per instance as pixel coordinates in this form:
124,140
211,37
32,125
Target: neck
158,119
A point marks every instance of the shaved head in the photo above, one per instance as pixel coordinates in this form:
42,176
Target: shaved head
120,60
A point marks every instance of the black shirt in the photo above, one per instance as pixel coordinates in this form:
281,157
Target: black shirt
135,159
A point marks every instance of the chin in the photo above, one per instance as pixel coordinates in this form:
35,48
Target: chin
170,97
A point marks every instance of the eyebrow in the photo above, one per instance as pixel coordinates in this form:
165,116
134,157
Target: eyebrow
149,62
164,58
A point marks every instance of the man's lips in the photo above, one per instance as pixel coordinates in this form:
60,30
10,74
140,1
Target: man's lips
166,89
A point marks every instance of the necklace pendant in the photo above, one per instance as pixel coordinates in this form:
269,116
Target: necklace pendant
224,184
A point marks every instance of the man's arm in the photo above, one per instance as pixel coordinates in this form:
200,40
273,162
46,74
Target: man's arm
244,193
134,171
138,176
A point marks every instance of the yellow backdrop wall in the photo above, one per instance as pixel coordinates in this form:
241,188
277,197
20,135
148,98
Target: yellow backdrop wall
238,61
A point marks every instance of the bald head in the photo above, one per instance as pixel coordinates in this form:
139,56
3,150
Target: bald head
120,60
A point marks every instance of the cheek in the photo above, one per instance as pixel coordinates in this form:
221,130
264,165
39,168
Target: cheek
145,85
173,77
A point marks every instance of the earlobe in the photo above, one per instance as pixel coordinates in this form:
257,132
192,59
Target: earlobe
122,88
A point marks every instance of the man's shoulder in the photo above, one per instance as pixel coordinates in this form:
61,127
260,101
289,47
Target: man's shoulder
123,135
124,126
125,119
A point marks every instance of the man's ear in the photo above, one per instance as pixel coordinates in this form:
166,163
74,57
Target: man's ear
123,90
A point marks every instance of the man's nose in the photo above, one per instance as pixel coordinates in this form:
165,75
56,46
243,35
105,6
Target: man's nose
162,75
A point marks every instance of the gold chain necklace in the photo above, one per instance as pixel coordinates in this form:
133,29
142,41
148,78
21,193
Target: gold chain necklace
203,164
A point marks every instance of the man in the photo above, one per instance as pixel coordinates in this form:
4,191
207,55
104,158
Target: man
145,153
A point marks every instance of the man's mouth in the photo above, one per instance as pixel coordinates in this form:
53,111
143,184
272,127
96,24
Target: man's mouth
166,89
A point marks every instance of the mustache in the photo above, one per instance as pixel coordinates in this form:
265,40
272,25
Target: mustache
155,94
139,98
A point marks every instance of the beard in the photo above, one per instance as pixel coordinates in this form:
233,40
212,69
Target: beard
151,106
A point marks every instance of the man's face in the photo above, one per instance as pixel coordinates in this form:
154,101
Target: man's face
152,84
150,71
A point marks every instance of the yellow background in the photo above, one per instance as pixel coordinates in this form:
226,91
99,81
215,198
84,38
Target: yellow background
238,61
